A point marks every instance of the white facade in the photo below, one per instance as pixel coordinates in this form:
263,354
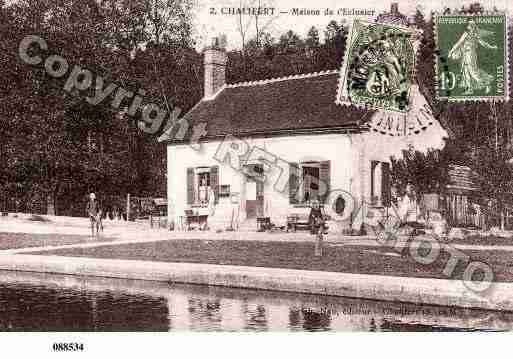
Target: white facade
335,148
349,155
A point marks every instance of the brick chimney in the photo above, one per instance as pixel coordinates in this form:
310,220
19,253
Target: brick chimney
394,8
215,66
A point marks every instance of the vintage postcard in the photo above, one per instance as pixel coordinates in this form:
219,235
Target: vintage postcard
253,166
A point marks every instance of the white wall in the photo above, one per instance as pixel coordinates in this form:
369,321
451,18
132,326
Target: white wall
334,147
350,157
374,146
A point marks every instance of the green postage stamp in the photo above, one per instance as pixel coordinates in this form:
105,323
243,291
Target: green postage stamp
472,57
379,66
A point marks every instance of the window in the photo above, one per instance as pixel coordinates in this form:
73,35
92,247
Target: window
224,190
340,205
375,177
310,184
309,181
380,183
202,184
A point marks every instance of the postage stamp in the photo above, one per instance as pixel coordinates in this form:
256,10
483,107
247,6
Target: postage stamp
379,66
472,59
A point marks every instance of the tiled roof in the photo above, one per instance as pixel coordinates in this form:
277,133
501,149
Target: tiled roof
291,105
462,178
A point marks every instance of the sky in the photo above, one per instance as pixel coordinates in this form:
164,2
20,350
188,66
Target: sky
207,25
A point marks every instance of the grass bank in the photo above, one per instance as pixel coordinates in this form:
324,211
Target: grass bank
293,255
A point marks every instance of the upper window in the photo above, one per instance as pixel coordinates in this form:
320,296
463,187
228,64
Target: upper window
309,181
202,185
380,183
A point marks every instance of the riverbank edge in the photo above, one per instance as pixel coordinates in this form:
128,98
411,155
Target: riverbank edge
386,288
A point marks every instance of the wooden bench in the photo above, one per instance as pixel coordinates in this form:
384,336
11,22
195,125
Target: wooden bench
191,219
297,220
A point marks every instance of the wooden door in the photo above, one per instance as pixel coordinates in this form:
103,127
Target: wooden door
254,191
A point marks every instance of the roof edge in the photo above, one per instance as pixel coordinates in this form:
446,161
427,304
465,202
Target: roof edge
210,98
350,128
280,79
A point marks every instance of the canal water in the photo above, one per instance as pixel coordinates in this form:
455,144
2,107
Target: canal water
39,302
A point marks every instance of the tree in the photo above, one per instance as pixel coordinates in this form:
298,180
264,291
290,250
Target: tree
289,55
428,172
169,21
312,38
334,45
290,43
312,44
57,146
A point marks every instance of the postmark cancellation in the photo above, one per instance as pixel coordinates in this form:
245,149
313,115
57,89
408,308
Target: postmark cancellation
379,66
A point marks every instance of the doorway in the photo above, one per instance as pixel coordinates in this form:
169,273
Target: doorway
254,190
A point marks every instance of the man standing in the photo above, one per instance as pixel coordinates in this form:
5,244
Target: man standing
317,226
93,211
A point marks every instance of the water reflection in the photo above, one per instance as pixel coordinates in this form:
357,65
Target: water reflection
255,316
30,302
204,313
34,308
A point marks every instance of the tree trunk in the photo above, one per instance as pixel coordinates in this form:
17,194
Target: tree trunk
51,199
502,218
50,205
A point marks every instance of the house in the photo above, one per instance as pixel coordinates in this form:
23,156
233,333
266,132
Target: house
272,146
463,196
467,206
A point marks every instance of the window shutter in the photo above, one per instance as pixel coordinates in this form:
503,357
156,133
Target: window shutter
373,193
325,178
293,182
385,184
190,185
214,182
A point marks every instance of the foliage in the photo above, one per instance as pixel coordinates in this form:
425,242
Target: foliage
288,55
56,147
426,171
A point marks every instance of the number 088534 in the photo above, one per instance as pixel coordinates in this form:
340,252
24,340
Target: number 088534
67,347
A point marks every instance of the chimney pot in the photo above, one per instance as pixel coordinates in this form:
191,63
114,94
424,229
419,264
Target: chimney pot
215,66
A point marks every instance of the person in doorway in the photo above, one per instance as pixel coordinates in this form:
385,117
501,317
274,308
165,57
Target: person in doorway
94,213
203,192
